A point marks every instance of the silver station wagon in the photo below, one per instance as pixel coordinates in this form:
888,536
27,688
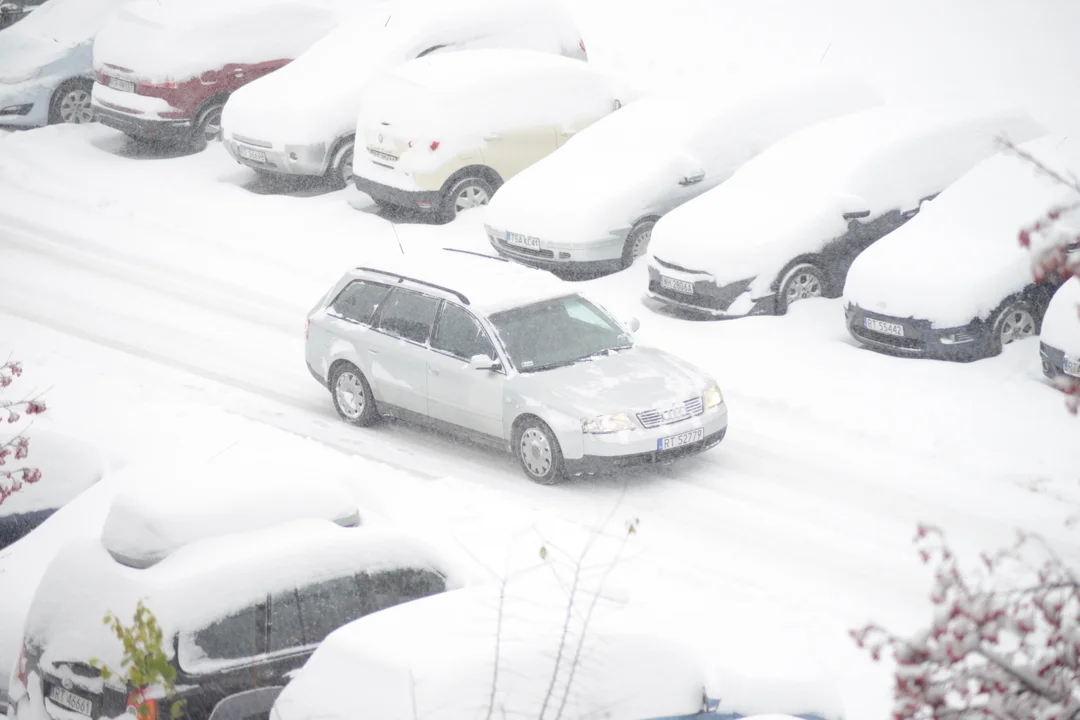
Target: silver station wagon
508,355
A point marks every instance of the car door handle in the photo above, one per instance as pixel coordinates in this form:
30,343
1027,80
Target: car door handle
373,351
433,371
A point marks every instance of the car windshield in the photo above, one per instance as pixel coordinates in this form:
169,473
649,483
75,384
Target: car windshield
557,332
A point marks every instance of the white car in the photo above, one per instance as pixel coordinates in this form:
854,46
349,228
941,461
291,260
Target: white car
441,133
509,356
789,223
301,120
46,63
1060,337
616,178
955,283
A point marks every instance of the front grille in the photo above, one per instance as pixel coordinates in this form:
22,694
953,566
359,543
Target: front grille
673,266
903,343
524,251
251,141
650,419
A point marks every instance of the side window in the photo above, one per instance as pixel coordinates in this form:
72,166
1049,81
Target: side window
286,631
409,315
327,605
234,637
393,587
359,300
459,334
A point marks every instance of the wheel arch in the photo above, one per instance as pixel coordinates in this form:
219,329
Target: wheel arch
567,429
62,87
484,172
814,259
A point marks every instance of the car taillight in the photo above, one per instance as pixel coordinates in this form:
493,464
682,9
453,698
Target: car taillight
141,707
22,668
307,328
101,77
434,145
581,44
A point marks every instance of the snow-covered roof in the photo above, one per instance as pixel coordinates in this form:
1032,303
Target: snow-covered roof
791,199
629,164
453,73
180,39
490,284
1061,324
317,96
149,520
206,580
436,658
68,22
960,257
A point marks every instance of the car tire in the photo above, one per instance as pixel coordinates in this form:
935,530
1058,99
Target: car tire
71,103
801,282
340,172
207,127
1017,319
637,242
537,450
464,194
346,381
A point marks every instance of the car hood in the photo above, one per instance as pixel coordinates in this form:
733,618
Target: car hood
1060,328
23,52
641,378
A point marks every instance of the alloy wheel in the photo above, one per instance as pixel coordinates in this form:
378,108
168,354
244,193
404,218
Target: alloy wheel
1016,324
641,243
212,126
75,107
803,285
536,452
471,196
350,396
346,168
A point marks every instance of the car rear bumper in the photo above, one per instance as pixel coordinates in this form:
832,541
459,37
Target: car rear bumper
141,127
704,296
602,255
259,155
422,200
919,339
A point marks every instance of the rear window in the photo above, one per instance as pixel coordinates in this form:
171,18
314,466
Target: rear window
359,301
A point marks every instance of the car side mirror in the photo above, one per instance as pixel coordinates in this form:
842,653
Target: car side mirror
692,178
854,207
482,362
617,104
633,324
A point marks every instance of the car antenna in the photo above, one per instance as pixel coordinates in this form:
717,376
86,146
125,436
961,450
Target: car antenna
394,228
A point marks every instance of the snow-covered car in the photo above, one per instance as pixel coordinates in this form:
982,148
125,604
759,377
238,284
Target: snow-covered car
148,511
510,356
1060,337
463,652
239,610
301,120
789,223
13,12
46,63
441,133
68,467
612,186
955,283
164,68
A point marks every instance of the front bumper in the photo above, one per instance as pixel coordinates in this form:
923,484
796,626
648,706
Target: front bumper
285,160
423,200
600,256
26,104
707,297
960,344
1053,361
143,127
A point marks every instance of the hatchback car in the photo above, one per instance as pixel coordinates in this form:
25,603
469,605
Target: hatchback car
441,133
955,283
239,613
301,120
507,355
46,63
164,68
616,178
789,223
1060,341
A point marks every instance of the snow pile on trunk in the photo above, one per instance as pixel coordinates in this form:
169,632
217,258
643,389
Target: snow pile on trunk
960,256
791,199
630,164
317,97
174,40
1061,326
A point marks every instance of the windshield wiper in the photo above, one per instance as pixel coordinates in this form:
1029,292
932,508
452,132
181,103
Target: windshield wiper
575,361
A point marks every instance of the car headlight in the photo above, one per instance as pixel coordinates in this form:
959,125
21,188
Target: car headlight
19,77
713,397
608,424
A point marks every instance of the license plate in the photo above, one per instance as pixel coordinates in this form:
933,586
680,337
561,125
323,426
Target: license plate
524,241
679,286
886,328
384,156
691,436
118,84
256,155
70,700
1071,367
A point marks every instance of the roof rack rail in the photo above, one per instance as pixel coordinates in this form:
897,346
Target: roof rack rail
480,255
402,278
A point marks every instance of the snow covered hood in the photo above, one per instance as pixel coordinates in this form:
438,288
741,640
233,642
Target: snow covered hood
626,165
317,96
49,33
180,39
205,580
1061,325
791,199
960,257
435,658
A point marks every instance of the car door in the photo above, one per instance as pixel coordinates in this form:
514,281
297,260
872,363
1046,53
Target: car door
347,319
458,394
398,351
510,151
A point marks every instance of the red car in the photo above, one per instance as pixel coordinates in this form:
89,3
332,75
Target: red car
164,68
